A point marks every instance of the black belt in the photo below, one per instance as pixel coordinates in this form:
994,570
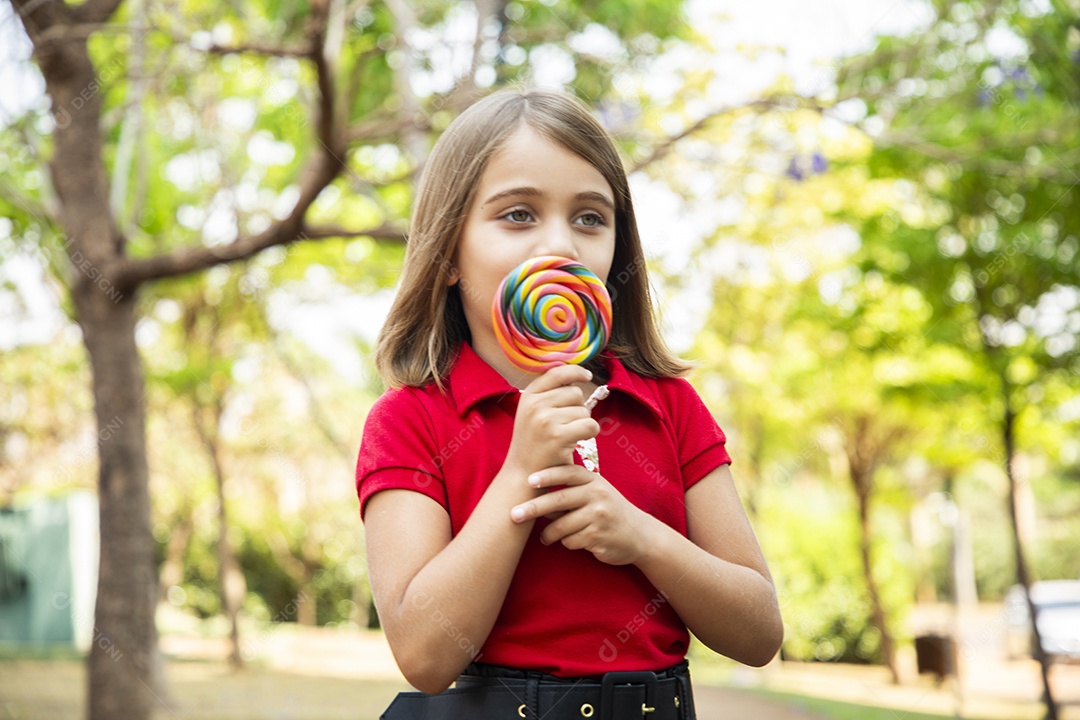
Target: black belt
492,692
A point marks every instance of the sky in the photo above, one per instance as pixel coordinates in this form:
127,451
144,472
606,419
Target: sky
799,39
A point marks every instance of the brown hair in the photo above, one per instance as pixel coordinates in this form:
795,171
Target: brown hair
426,321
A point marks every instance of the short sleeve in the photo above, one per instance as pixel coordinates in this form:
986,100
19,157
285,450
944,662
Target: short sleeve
702,444
398,448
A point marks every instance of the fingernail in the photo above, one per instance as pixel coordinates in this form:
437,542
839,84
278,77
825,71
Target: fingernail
534,480
518,514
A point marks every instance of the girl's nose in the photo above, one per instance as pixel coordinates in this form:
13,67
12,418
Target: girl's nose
558,239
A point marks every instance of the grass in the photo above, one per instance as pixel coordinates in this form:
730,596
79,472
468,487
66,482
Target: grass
52,689
835,710
64,651
323,674
55,690
865,692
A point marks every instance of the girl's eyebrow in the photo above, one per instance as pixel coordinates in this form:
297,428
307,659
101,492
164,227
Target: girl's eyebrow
536,192
514,192
596,197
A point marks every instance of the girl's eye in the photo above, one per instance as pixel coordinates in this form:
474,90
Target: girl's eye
591,220
518,216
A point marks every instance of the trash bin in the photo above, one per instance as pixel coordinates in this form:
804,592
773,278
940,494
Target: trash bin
935,654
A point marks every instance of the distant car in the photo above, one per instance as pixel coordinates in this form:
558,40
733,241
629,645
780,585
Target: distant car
1057,603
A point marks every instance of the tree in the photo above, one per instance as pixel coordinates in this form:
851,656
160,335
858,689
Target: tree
977,120
355,65
203,384
796,338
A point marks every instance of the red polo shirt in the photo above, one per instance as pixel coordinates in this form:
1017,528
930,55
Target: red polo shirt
565,613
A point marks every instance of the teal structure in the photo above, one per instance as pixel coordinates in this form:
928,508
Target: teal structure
48,571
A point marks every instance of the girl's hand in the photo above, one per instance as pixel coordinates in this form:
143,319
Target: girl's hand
589,514
551,418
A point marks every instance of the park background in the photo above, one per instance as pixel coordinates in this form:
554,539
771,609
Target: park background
861,224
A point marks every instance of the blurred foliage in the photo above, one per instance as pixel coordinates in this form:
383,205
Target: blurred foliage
899,248
903,258
270,355
819,576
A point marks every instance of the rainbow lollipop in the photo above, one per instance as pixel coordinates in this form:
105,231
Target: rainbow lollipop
551,311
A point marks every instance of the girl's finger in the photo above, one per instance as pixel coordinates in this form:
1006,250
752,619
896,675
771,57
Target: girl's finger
567,525
565,499
562,475
565,396
569,414
574,540
583,429
560,375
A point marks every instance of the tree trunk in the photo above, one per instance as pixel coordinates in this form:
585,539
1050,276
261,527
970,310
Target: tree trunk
231,584
373,616
231,580
122,675
172,569
301,571
306,611
361,613
1008,428
751,474
862,480
921,531
305,601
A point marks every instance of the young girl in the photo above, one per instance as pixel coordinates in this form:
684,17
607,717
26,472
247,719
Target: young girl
496,558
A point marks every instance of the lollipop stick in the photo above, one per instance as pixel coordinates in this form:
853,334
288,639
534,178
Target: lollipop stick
590,455
597,395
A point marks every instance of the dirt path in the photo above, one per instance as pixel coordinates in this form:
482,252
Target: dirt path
715,703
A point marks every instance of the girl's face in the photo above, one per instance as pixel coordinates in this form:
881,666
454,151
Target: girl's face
534,198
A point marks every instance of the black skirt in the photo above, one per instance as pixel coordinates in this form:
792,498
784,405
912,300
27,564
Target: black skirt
494,692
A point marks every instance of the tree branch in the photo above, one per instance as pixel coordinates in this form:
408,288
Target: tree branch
385,232
465,88
95,11
131,272
666,145
14,196
331,53
323,57
259,49
39,16
130,128
411,137
992,166
318,414
299,51
384,128
319,171
81,31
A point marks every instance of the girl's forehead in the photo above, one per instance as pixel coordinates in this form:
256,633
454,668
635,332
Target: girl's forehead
528,154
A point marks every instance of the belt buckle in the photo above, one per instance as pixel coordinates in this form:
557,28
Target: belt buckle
607,691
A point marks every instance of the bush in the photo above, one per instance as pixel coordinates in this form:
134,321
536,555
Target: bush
811,539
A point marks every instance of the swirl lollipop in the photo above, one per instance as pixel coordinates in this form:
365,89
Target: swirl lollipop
551,311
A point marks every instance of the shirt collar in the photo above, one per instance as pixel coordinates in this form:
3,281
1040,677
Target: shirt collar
632,384
471,380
